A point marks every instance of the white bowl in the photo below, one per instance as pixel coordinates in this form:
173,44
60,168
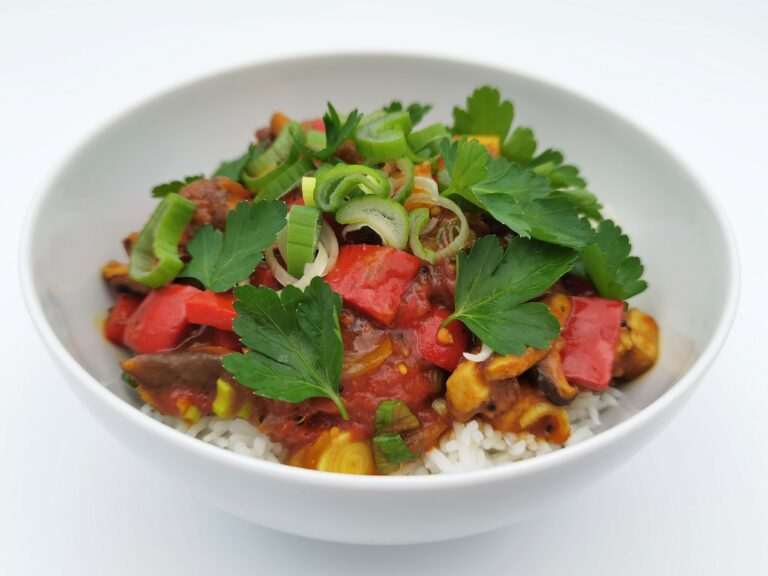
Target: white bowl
101,192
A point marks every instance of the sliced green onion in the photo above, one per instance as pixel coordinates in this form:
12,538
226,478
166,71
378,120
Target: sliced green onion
303,234
383,137
277,183
277,153
155,257
385,217
315,140
383,464
395,416
342,182
394,448
405,165
427,137
308,190
418,220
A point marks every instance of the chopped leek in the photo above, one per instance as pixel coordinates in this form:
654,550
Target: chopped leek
405,165
424,142
308,190
394,416
277,153
342,182
385,217
303,234
281,180
155,257
394,448
418,220
383,136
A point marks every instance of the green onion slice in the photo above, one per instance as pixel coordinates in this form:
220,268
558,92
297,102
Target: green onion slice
315,140
394,448
383,464
418,220
383,136
308,190
283,179
155,257
277,153
385,217
341,182
394,416
303,234
405,165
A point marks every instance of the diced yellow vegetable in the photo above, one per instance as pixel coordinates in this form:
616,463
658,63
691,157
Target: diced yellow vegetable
533,414
336,451
225,399
503,367
466,390
637,349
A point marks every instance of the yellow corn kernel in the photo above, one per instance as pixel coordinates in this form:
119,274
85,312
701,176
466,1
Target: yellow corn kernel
192,414
245,410
466,389
402,368
444,336
225,398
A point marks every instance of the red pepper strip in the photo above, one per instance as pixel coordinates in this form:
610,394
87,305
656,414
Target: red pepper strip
211,309
590,334
445,348
373,278
160,321
114,327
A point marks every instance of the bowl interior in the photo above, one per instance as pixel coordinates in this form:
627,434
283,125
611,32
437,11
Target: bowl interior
102,193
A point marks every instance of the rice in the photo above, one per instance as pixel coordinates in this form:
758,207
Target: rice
471,446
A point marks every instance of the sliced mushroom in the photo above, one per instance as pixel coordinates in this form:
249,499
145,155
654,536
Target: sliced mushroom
637,349
549,377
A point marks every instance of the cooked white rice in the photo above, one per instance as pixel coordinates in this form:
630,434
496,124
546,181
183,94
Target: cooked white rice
471,446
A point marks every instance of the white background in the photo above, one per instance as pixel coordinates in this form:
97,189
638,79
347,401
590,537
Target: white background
695,73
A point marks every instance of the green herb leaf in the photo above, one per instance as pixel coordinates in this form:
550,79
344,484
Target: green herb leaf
486,113
336,131
219,260
416,111
234,168
294,343
552,219
566,178
614,272
467,163
494,285
520,147
162,190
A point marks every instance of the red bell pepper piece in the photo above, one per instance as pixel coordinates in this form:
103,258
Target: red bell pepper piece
263,276
591,332
160,321
114,327
211,309
445,348
373,278
226,339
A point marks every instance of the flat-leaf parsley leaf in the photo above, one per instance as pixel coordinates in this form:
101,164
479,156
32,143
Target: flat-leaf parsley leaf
221,260
294,343
614,272
494,285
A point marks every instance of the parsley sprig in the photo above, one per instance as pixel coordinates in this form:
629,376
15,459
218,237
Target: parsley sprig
221,260
494,286
295,351
607,259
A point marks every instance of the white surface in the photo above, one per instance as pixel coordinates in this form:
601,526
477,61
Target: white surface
693,502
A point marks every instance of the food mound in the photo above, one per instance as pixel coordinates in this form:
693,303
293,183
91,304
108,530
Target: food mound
363,296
